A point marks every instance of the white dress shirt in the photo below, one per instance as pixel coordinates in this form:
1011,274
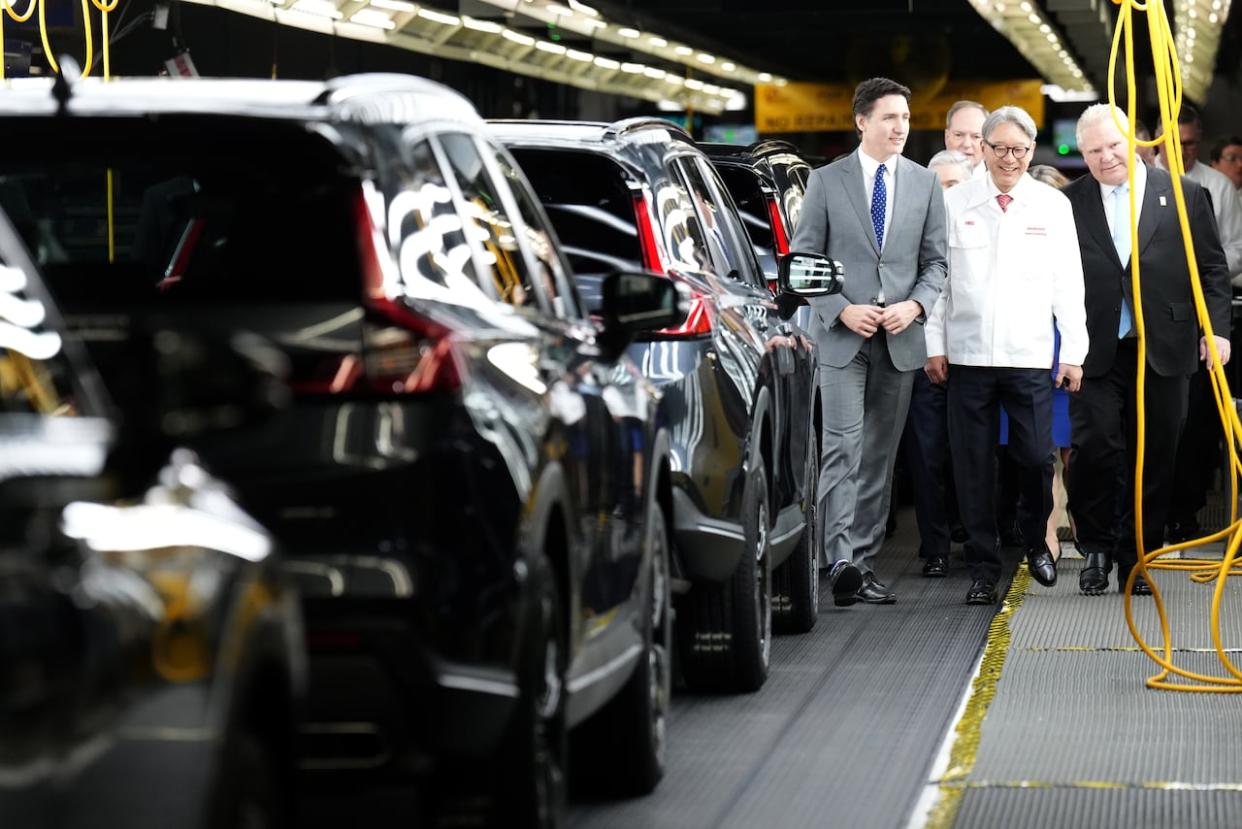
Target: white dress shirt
1110,204
869,168
1010,274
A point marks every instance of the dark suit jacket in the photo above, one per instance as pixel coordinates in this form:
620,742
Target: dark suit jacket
1171,325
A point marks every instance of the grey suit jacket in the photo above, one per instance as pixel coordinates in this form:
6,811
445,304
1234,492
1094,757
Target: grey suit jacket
836,222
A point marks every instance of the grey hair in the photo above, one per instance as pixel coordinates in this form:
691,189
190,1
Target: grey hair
1010,115
1098,114
948,158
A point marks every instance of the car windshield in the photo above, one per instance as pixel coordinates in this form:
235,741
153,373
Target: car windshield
118,210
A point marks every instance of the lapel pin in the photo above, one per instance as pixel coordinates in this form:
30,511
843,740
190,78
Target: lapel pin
1163,203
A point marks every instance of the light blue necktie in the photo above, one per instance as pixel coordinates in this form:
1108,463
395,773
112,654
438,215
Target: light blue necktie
1121,240
879,200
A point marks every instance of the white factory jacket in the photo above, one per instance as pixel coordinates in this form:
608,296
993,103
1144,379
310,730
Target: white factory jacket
1010,273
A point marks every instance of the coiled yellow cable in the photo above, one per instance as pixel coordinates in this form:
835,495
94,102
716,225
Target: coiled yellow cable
1169,91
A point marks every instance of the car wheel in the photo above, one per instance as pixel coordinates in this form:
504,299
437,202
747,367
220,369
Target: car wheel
533,762
725,639
795,584
633,725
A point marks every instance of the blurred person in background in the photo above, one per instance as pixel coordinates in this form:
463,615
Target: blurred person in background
963,131
1227,158
1148,154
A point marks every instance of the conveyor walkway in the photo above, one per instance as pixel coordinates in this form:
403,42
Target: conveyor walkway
872,719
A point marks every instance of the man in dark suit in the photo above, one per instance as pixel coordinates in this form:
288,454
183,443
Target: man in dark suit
1101,481
882,216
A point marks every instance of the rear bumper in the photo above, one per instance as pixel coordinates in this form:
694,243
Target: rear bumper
709,548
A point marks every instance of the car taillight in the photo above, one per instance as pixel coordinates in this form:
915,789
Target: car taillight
778,233
425,364
698,319
646,236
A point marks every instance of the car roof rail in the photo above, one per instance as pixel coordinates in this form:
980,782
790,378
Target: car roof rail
350,90
629,125
554,122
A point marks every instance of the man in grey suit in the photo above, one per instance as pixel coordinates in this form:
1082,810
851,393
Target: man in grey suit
882,217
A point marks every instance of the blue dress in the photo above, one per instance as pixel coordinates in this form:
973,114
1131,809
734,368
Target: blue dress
1060,405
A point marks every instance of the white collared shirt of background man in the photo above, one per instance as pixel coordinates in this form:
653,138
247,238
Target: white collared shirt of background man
1226,205
1010,272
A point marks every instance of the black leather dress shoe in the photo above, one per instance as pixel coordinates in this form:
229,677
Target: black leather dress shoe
1041,564
1093,580
936,567
981,591
1141,587
845,580
874,592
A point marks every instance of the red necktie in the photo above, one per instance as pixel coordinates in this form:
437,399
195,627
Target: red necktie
1004,199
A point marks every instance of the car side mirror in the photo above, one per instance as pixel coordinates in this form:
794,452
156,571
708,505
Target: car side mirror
804,276
635,301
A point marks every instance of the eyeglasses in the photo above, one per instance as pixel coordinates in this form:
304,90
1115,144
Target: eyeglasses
1002,151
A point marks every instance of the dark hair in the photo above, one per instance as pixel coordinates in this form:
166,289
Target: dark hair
1218,148
872,90
1189,115
1140,127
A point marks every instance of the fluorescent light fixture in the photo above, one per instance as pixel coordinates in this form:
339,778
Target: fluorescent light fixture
629,34
436,17
657,41
607,63
706,58
322,8
764,77
489,26
632,68
558,9
372,17
577,54
549,47
694,83
654,72
395,6
583,8
711,89
1033,35
728,66
518,37
683,50
1066,96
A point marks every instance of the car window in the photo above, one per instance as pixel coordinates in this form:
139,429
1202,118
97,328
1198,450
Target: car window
35,374
590,205
727,240
539,239
752,206
685,237
421,214
488,223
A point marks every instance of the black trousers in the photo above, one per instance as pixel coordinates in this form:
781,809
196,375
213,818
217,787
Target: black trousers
1199,453
1101,477
975,397
927,456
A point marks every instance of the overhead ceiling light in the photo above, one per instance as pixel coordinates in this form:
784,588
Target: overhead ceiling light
607,63
764,77
632,68
576,54
547,46
1033,35
489,26
558,10
657,41
372,17
518,37
728,66
395,6
711,89
629,34
694,83
654,72
583,8
322,8
439,17
684,50
706,58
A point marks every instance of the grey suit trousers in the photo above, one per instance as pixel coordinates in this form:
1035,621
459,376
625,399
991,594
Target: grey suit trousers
858,452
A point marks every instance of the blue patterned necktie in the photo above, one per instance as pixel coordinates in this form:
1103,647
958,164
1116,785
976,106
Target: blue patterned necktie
1121,240
879,201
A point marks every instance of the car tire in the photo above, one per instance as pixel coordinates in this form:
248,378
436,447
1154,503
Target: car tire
795,584
633,725
725,639
533,761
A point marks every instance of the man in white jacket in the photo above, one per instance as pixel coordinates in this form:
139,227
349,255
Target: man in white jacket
1014,267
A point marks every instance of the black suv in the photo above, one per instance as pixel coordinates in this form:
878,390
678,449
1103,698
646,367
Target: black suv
742,387
472,480
151,654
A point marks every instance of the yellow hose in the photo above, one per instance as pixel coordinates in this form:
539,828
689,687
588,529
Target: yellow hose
1169,91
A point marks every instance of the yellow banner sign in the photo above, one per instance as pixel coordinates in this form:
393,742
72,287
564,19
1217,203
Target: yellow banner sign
828,107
